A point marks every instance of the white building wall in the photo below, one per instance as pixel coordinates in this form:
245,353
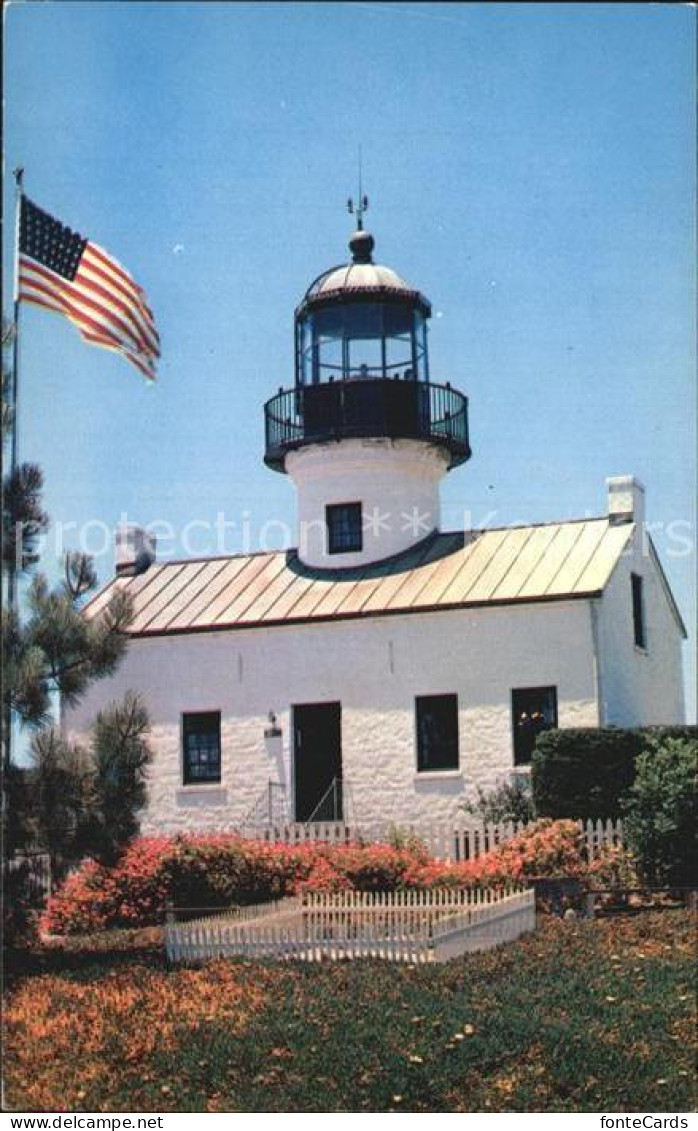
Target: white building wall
639,687
375,667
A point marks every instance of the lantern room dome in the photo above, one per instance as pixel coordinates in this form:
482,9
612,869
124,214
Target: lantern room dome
362,277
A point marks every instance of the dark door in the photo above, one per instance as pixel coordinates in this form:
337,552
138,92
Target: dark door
317,746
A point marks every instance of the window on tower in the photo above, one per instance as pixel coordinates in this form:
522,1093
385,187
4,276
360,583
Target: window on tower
344,528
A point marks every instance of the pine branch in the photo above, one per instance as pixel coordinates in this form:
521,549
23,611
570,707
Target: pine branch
23,519
80,575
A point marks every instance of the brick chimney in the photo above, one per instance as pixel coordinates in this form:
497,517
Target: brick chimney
135,550
626,500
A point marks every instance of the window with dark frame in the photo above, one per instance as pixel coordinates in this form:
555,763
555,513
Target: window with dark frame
201,737
344,528
533,710
437,732
638,611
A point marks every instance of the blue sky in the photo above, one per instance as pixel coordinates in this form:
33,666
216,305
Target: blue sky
530,168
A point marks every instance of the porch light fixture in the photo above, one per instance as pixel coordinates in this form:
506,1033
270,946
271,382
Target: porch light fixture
273,730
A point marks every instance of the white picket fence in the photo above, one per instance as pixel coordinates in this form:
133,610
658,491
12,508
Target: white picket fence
450,843
602,834
404,926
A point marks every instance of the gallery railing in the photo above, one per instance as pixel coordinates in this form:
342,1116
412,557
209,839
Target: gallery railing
366,408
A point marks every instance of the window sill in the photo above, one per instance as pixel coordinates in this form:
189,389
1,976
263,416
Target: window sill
202,787
437,775
201,796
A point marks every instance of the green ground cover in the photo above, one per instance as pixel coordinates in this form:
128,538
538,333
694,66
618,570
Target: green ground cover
582,1016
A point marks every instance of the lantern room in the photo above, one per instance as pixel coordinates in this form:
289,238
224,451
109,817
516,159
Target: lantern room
360,322
362,366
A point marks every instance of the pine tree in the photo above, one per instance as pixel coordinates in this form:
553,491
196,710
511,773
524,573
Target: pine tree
71,801
85,801
56,649
119,759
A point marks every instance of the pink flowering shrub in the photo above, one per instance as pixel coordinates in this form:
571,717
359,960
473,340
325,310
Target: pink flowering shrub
132,893
545,849
375,867
612,867
217,871
324,877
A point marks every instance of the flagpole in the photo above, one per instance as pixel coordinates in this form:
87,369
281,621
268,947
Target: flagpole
12,593
19,190
14,399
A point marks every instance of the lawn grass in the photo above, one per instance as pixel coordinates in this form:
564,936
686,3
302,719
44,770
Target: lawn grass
583,1016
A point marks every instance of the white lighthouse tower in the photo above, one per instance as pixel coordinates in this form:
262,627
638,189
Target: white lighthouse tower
365,435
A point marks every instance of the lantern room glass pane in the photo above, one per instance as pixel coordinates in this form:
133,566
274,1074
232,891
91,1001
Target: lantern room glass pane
305,342
363,320
398,356
330,362
397,319
420,346
362,340
327,338
365,358
328,323
363,331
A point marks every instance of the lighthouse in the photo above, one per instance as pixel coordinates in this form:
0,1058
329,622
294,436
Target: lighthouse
365,435
381,671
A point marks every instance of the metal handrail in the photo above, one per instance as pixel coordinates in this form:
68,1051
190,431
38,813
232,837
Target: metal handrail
370,407
332,787
263,807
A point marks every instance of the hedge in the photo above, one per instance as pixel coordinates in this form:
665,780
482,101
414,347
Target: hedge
660,815
220,871
584,772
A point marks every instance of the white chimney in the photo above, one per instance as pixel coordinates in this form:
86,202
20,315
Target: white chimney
135,550
626,500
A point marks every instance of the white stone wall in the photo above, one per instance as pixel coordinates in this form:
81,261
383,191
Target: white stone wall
639,687
396,481
375,668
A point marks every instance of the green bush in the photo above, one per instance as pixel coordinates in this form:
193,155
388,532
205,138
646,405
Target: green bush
584,773
660,812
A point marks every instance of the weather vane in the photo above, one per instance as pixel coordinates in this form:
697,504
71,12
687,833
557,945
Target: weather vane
361,205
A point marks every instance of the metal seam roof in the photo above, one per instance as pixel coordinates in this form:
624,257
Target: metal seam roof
541,562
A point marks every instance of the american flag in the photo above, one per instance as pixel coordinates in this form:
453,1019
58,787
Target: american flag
62,271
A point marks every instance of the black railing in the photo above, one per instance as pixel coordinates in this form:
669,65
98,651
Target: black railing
361,409
330,806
